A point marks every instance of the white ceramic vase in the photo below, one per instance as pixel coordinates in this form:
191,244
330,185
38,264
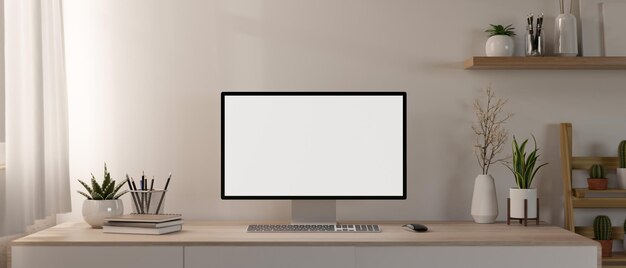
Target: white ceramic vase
499,46
484,200
95,211
621,178
517,202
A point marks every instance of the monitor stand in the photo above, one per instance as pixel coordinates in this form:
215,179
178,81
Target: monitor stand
314,212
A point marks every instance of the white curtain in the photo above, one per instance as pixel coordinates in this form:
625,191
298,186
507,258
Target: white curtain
37,169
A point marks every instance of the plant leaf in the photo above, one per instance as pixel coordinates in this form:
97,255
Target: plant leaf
95,187
120,194
84,194
97,196
108,191
118,188
86,186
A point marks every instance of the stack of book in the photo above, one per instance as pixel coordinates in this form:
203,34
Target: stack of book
143,224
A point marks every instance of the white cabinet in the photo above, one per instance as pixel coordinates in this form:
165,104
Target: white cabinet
96,256
476,257
227,245
269,257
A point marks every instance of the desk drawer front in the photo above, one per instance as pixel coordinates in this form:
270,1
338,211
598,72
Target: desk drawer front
268,257
96,256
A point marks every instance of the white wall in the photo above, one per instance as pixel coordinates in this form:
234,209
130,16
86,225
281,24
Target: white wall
144,79
2,72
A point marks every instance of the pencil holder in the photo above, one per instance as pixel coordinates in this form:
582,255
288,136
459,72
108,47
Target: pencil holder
534,42
148,201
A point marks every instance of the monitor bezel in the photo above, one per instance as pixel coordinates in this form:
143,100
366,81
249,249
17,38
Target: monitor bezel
224,94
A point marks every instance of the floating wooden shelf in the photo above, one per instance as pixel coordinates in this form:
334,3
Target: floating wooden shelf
557,63
618,260
581,192
587,231
599,202
579,162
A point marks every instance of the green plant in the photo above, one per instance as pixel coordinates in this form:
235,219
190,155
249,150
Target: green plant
597,172
105,191
621,152
524,165
602,228
500,30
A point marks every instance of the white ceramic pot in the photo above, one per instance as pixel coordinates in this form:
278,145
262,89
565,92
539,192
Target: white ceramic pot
621,178
499,46
517,202
95,211
484,201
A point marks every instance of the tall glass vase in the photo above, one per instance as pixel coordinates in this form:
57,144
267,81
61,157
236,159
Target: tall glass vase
565,36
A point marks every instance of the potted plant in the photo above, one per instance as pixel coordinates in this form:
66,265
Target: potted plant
102,199
500,42
603,233
490,138
597,178
621,171
524,168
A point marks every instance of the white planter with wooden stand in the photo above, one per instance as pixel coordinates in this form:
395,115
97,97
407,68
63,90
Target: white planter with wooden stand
484,201
95,211
517,202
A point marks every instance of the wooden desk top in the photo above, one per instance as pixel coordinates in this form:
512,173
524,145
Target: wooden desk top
234,234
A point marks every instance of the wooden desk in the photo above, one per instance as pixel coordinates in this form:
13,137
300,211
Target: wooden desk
226,244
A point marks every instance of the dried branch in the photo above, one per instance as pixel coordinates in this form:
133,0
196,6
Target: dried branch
489,129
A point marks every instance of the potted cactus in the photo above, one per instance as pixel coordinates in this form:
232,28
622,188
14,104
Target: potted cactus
621,170
102,199
603,233
597,178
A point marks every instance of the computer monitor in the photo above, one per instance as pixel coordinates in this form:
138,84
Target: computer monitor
313,146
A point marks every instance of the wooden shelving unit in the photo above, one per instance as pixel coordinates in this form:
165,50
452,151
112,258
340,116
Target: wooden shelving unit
537,63
585,198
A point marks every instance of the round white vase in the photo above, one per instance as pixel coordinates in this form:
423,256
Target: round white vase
500,46
484,200
517,202
95,211
621,178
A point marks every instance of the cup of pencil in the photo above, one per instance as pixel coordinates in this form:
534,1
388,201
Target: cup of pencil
147,200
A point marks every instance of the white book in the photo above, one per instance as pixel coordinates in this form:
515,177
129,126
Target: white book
143,224
155,218
138,230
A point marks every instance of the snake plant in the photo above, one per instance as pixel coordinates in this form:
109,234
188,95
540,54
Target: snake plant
524,163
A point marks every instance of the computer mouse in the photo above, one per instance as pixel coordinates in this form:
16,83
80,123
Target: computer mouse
415,227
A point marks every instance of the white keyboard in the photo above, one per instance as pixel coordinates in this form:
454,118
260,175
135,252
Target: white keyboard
314,228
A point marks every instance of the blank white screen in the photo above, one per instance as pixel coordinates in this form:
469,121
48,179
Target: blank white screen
313,145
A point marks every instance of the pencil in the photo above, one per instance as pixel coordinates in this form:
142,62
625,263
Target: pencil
167,184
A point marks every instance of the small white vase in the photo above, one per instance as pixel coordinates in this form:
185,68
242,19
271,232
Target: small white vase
499,46
484,201
621,178
517,202
95,211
